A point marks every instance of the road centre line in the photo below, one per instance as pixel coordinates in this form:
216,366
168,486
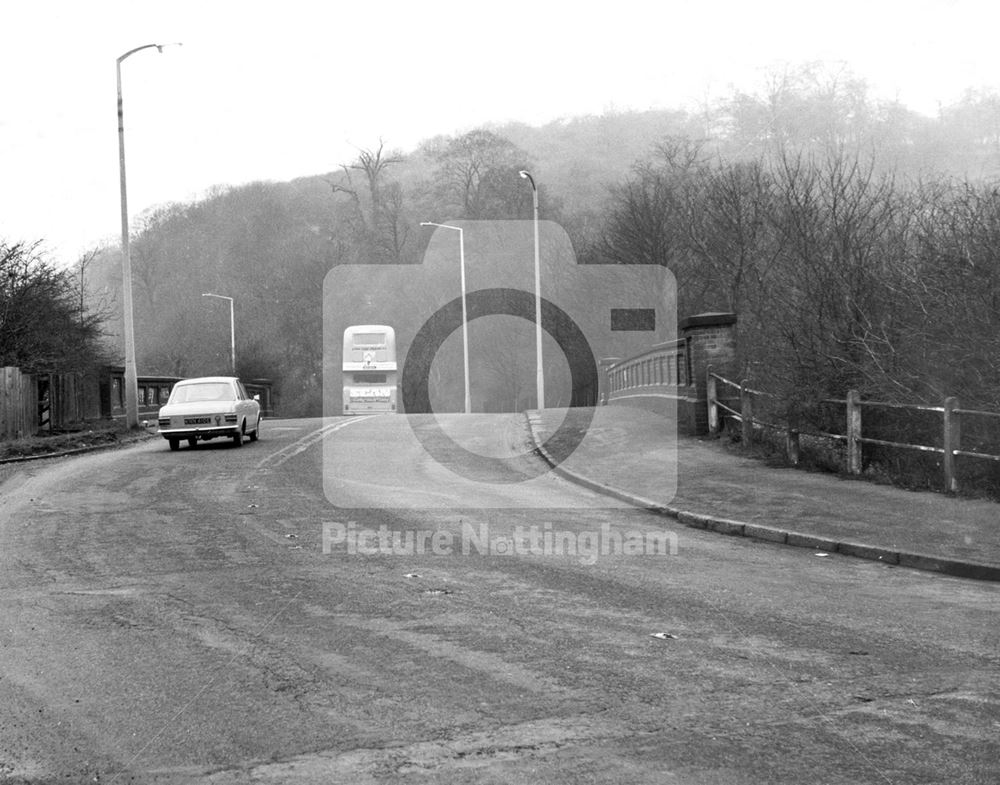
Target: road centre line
288,452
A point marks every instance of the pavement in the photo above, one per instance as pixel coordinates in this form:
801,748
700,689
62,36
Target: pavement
633,455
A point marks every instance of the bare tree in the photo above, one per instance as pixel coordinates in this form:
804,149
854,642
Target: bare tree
42,326
378,216
478,174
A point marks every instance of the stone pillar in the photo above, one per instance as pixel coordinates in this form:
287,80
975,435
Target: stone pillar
712,341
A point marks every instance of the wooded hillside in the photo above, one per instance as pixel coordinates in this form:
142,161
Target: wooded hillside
857,240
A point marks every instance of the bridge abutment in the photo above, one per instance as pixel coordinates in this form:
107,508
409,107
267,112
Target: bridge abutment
672,376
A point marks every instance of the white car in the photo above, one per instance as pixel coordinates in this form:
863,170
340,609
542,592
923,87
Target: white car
207,408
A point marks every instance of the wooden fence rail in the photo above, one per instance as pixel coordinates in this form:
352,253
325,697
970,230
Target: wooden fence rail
853,437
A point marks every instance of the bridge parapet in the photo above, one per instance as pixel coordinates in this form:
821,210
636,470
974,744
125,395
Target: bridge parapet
671,376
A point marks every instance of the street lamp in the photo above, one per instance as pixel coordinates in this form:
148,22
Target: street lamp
539,370
232,327
131,383
465,314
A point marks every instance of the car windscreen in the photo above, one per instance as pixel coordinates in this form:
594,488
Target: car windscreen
202,391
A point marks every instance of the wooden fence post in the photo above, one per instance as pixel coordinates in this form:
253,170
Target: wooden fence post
746,413
792,445
951,441
853,432
713,410
791,435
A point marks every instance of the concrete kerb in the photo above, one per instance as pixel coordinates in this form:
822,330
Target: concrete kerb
955,567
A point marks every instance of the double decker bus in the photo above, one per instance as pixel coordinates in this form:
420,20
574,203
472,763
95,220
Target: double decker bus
369,362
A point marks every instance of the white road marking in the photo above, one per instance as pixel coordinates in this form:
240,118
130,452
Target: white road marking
301,445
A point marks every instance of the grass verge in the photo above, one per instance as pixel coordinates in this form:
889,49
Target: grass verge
91,435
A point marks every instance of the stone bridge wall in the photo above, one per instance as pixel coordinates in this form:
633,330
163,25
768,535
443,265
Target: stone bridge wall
671,377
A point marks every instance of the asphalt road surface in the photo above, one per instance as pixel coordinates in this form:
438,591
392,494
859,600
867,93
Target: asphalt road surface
333,604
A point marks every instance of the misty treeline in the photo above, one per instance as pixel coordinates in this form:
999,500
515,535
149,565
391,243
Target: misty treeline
270,246
843,276
854,238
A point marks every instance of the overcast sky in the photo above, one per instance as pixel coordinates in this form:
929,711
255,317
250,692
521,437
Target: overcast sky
275,91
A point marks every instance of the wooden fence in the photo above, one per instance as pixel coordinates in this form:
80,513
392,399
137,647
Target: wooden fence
18,404
742,395
35,402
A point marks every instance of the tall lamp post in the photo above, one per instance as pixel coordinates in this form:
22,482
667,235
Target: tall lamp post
232,327
131,382
539,368
465,314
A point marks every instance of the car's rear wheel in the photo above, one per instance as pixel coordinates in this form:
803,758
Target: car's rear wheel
175,444
255,433
238,438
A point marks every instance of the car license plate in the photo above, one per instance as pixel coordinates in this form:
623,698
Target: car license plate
197,420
